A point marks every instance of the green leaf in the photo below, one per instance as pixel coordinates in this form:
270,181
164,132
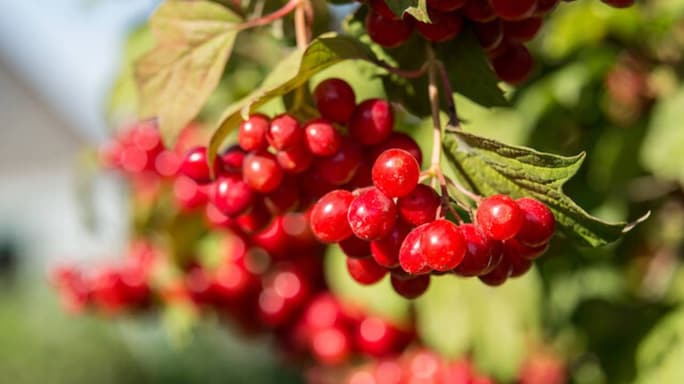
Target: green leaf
491,167
416,8
175,78
293,72
660,355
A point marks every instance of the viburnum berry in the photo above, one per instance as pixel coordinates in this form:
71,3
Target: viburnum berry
513,10
321,137
387,32
538,224
499,274
385,250
262,172
355,248
446,5
480,251
396,173
329,217
231,195
411,256
489,34
513,246
479,10
372,122
381,7
195,165
522,30
398,140
444,26
340,168
499,217
331,346
252,134
365,271
420,206
371,214
255,219
411,287
295,159
443,245
283,199
232,160
335,100
377,337
545,6
285,132
519,265
514,65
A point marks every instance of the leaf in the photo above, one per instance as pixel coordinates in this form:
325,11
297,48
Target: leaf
660,354
416,8
491,167
291,73
175,78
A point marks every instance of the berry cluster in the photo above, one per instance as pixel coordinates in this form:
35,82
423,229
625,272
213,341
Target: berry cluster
501,26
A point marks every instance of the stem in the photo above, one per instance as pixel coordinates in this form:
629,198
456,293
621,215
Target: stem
406,73
433,94
301,28
449,96
271,17
474,197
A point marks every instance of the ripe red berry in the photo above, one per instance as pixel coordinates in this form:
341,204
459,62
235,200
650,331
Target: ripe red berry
232,159
252,134
385,250
255,219
420,206
513,10
519,265
498,275
522,31
340,168
283,199
479,10
412,287
397,140
231,195
489,34
514,64
355,248
261,171
396,173
387,32
381,7
372,122
545,6
443,245
365,271
499,217
321,137
371,214
515,247
335,100
331,346
196,166
411,256
284,132
329,217
376,337
296,159
446,5
538,224
480,251
444,26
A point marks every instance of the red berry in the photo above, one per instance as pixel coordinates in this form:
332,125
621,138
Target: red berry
376,337
444,26
232,159
231,195
499,217
284,132
514,64
397,140
545,6
489,34
335,100
443,245
196,166
515,247
296,159
396,173
446,5
329,216
283,199
365,271
479,251
619,3
412,287
387,32
371,214
339,168
479,10
321,137
519,265
411,256
513,10
372,122
355,248
538,224
420,206
381,7
331,346
522,31
255,219
385,250
362,178
498,275
252,135
261,171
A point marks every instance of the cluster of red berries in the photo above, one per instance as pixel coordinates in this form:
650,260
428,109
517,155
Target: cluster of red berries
397,226
501,26
111,289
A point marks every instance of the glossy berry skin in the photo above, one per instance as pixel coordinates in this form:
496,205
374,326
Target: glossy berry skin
296,159
255,219
365,271
252,135
396,173
515,247
376,337
523,30
232,160
231,195
285,132
538,224
513,10
411,256
372,122
355,248
340,168
283,199
519,265
446,5
444,26
420,206
397,140
387,32
412,287
479,10
335,100
195,165
385,250
321,138
479,251
262,172
514,64
499,217
329,217
489,34
371,214
498,275
443,245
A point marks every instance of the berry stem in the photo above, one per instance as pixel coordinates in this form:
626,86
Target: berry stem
302,19
454,121
271,17
433,94
406,73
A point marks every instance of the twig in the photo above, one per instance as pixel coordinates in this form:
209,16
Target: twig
271,17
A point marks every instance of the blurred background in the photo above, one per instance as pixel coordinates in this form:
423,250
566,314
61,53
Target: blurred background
608,82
